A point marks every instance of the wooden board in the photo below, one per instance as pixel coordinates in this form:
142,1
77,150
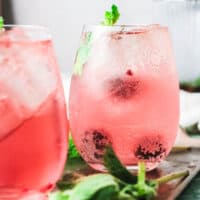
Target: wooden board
178,161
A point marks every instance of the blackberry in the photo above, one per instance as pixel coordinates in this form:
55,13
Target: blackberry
151,149
93,145
123,88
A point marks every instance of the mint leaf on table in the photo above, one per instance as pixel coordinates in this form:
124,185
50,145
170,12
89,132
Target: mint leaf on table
59,196
108,193
89,186
83,53
135,187
115,167
92,187
1,22
72,150
111,17
114,187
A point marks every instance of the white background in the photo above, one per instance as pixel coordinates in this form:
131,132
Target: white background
65,19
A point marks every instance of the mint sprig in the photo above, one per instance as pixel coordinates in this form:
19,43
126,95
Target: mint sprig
89,186
111,17
113,186
1,22
144,189
83,54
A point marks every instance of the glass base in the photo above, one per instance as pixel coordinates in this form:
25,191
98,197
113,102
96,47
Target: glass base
14,194
132,168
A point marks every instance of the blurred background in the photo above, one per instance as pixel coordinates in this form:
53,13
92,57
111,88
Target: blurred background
65,19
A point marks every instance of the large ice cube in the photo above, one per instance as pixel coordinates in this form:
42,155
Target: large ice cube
27,78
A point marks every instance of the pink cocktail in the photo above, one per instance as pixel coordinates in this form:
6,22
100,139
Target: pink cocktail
125,94
33,127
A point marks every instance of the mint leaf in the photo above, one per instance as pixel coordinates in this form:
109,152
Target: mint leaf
59,195
72,150
83,53
111,17
115,167
108,193
1,22
89,186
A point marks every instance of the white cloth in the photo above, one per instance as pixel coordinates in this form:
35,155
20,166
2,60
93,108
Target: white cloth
189,108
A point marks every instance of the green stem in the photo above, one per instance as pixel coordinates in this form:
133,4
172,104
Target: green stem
172,176
141,173
1,22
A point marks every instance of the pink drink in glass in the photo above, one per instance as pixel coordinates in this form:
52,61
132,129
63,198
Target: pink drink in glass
34,127
127,96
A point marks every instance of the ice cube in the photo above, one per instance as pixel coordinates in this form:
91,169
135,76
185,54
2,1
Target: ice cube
11,116
30,79
27,79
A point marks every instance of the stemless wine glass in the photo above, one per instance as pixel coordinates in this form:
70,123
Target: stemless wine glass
124,93
33,127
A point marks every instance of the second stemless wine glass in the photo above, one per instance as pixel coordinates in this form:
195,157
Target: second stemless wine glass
33,123
124,93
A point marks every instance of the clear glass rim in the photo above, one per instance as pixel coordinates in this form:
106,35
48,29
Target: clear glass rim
25,26
124,28
36,32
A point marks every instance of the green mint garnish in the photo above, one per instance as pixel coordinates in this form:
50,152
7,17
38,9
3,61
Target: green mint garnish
113,186
84,50
59,196
72,150
1,22
83,54
144,189
88,186
115,167
111,17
